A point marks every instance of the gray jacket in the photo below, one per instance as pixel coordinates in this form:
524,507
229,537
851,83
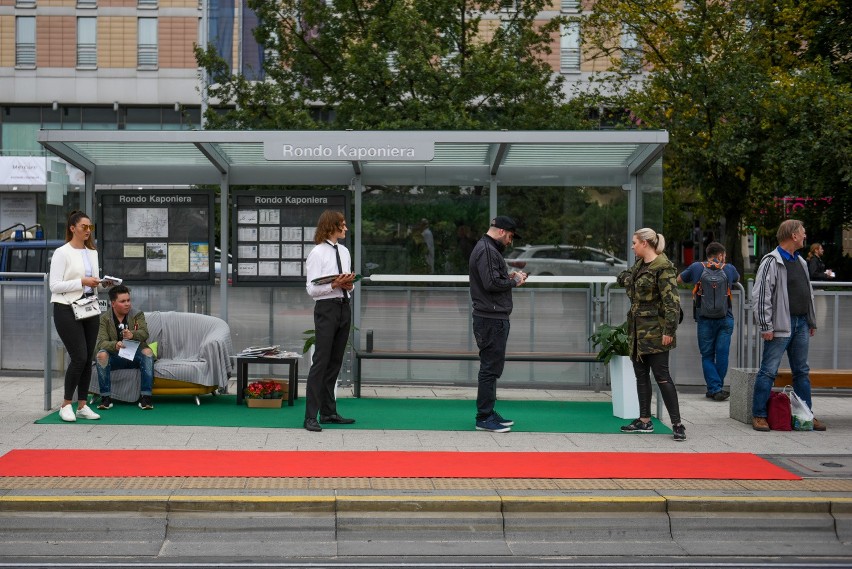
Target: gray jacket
771,303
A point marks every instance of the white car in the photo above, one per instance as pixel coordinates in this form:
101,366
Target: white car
563,260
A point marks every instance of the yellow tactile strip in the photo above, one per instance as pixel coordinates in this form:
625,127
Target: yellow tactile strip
421,484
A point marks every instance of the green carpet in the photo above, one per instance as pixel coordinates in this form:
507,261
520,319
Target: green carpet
370,413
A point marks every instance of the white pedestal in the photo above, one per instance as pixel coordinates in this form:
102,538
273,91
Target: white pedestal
625,399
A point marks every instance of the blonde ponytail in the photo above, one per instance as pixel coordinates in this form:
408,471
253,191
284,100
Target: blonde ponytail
654,239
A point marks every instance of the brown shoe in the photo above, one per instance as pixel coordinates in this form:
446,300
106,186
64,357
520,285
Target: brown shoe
760,424
818,426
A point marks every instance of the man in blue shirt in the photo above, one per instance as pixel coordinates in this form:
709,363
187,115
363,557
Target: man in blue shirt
714,334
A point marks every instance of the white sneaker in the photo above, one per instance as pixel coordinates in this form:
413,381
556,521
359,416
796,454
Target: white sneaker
66,413
86,413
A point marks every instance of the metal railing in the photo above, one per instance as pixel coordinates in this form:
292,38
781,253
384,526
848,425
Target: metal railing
430,312
37,282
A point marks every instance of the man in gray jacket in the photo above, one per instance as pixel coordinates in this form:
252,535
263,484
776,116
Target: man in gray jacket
784,304
491,293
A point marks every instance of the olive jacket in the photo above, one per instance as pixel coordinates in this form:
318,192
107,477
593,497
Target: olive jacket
654,305
108,335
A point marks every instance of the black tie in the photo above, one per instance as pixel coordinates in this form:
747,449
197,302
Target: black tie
340,270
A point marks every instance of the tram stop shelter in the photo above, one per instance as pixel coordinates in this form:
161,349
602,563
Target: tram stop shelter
355,159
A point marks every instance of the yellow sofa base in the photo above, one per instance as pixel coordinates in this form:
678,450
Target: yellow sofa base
163,386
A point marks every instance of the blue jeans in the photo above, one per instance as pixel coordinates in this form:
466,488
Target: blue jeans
796,347
714,343
140,361
491,337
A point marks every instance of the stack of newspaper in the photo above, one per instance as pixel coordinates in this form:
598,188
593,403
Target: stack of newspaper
266,352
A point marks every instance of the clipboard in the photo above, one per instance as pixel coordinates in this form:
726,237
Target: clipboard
328,278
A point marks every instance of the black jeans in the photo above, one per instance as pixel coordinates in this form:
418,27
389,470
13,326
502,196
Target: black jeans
332,319
79,337
491,337
659,364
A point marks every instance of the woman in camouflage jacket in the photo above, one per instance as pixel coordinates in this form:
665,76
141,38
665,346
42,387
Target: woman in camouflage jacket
651,324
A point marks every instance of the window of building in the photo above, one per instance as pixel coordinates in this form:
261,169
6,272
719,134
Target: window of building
570,5
25,3
87,3
569,48
147,44
146,4
25,42
87,43
631,58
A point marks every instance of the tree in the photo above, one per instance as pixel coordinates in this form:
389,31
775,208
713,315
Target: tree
421,64
713,71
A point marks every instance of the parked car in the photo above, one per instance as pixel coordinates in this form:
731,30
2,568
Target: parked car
563,260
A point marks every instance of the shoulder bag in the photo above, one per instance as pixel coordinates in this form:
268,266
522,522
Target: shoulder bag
86,307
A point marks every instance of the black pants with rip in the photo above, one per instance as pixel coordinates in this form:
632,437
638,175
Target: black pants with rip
659,364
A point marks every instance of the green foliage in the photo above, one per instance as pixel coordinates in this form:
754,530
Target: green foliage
424,64
613,341
753,112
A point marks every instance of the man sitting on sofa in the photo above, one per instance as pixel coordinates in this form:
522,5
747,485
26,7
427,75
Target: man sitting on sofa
119,327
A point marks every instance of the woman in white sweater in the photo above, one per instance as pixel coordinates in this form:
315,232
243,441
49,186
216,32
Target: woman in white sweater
74,273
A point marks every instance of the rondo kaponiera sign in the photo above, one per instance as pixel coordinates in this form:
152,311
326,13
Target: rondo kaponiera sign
381,147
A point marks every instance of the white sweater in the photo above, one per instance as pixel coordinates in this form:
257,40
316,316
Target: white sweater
67,271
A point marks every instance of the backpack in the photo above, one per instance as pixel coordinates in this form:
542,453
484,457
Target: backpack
712,292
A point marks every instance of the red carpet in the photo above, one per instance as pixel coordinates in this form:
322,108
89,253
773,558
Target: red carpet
386,464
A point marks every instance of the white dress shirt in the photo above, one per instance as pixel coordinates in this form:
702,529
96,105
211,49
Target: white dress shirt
322,262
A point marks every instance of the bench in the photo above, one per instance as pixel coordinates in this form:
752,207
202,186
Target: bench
819,378
471,356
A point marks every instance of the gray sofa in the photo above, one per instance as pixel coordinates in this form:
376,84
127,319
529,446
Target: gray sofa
194,354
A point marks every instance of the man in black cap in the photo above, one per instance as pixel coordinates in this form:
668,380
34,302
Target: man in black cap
491,293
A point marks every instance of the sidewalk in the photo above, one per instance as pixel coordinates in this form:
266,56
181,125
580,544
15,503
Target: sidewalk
373,516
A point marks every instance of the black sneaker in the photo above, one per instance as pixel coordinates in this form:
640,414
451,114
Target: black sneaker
679,432
721,395
145,402
106,403
638,426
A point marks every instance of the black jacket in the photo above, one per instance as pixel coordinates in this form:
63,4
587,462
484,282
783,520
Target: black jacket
490,283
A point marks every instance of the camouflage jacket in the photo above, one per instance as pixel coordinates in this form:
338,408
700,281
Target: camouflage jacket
654,305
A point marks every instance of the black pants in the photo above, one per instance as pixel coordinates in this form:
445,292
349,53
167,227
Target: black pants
332,319
659,364
491,337
79,337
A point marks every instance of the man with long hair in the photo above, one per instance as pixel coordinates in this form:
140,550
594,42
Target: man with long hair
332,318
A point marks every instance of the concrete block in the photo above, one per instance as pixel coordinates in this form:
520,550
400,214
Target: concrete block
742,393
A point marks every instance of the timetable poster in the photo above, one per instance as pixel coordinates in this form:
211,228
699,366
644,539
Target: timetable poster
156,237
274,232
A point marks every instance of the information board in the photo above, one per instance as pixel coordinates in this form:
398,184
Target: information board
155,237
274,232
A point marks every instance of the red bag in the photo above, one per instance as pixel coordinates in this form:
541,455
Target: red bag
779,415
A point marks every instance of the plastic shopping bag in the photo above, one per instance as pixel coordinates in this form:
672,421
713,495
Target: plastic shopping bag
803,417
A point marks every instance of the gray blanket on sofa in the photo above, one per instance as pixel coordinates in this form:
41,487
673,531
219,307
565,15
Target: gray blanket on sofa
190,347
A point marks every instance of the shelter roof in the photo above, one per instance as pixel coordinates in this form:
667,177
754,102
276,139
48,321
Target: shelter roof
435,158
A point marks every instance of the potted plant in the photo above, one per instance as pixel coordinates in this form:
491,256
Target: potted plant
614,351
268,393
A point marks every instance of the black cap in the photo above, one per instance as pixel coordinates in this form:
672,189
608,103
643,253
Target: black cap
507,223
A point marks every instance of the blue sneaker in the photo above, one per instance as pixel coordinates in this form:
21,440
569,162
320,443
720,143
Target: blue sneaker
501,420
491,424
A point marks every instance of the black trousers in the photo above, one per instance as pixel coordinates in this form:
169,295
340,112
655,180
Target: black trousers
659,364
79,337
332,319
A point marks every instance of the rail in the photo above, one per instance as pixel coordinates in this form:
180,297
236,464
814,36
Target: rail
32,280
